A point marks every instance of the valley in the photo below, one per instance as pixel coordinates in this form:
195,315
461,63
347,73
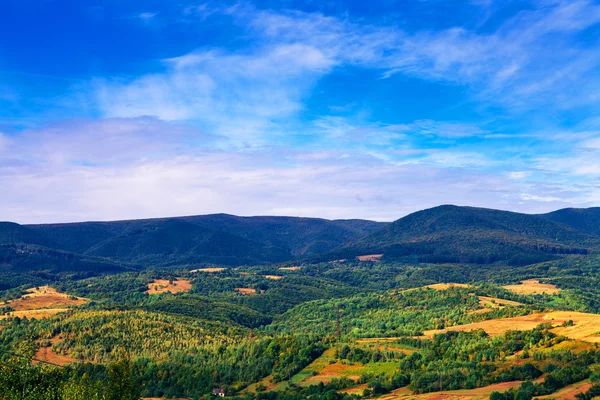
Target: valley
372,323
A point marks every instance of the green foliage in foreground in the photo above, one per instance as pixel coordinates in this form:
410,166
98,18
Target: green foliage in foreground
20,379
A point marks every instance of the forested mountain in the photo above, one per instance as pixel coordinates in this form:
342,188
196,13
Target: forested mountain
473,235
218,238
441,234
583,219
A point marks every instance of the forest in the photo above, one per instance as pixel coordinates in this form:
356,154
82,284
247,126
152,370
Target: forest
389,324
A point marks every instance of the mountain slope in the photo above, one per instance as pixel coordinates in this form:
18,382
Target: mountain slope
582,219
246,239
175,241
11,233
474,235
299,236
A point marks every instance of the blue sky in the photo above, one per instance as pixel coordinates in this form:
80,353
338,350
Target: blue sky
134,109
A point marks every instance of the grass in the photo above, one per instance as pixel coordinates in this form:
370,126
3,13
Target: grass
532,286
164,285
585,326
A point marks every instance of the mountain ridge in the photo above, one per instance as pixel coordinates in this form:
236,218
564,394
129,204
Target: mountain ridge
445,233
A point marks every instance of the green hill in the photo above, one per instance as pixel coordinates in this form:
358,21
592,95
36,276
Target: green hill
178,242
582,219
472,235
218,238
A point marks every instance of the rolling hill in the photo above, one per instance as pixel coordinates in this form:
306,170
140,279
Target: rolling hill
582,219
217,238
441,234
472,235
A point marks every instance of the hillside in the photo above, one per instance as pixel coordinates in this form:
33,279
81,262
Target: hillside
179,242
218,238
472,235
582,219
441,234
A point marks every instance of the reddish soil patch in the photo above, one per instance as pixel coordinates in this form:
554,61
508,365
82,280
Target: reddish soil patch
569,392
47,355
370,257
472,394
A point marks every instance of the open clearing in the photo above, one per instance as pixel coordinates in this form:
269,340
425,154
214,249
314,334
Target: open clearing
47,355
164,285
290,268
532,286
569,392
208,270
273,277
246,291
44,297
370,257
42,302
493,303
444,286
471,394
585,326
37,314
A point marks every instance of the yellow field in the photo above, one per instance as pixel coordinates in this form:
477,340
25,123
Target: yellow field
290,268
164,286
444,286
246,291
273,277
585,328
37,314
532,286
44,297
42,302
208,270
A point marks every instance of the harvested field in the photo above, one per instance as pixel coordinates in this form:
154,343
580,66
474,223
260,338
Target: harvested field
494,302
290,268
471,394
37,314
369,257
164,286
246,291
569,392
532,286
585,326
44,297
336,370
209,270
273,277
444,286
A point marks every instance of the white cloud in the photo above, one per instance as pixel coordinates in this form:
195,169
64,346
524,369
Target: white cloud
234,95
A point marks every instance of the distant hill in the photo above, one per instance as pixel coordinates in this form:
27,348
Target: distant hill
176,241
582,219
299,236
217,238
441,234
11,233
472,235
